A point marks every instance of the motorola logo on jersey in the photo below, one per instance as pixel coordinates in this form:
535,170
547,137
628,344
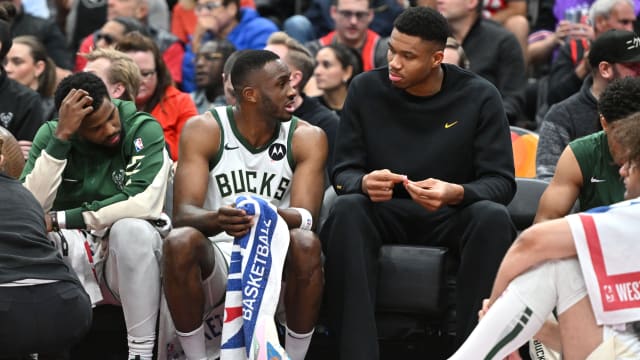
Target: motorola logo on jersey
277,151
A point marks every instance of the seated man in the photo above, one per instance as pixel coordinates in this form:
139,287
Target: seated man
554,264
256,147
587,169
423,156
102,168
43,292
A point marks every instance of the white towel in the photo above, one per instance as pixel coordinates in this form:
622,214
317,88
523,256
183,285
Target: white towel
253,286
607,241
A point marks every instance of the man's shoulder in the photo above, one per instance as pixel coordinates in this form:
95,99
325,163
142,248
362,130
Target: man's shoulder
490,30
589,144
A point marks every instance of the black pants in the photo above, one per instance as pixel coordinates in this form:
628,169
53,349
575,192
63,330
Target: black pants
46,318
478,235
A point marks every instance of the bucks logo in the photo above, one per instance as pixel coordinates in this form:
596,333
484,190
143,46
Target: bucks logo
5,118
118,178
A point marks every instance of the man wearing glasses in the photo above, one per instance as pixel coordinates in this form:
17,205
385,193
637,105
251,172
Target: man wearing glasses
210,60
224,19
352,19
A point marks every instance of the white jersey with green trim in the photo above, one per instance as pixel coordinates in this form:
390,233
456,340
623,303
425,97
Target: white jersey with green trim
239,168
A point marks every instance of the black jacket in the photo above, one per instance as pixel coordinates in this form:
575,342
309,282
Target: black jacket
20,109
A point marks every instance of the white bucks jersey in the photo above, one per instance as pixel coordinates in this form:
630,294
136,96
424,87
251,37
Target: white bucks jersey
239,168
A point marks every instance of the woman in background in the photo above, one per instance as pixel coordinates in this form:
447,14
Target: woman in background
28,64
336,65
157,95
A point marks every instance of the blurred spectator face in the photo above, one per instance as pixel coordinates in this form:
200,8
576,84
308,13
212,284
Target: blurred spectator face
229,95
352,19
209,63
101,67
620,18
214,16
456,9
132,8
109,34
329,72
20,66
149,75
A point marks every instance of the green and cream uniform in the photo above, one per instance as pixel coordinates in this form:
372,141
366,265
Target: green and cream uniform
96,188
601,182
94,185
239,168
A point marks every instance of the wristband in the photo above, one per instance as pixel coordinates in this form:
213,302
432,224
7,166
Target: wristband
306,219
62,219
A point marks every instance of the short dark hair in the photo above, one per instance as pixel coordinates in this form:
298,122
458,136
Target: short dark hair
231,60
85,81
620,99
426,23
347,56
246,64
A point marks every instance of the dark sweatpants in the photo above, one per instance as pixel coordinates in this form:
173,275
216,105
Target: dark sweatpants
47,318
478,235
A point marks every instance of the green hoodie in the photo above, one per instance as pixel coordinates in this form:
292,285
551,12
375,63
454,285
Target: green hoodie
94,186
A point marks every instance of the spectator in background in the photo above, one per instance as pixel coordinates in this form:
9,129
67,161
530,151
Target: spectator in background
156,95
610,58
225,19
28,64
317,21
229,94
493,52
352,19
210,60
184,19
48,310
512,14
454,54
113,30
570,67
336,66
170,47
117,71
20,107
300,63
48,33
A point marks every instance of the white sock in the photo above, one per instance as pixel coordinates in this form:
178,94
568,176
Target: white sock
193,343
296,345
141,346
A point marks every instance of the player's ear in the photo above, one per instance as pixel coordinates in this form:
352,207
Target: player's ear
250,94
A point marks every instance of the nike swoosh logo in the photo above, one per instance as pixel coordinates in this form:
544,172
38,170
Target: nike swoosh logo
594,180
448,125
227,147
70,180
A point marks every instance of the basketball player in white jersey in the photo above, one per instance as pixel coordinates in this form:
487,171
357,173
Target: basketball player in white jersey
258,148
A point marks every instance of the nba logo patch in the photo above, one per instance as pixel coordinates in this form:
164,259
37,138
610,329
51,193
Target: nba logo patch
138,144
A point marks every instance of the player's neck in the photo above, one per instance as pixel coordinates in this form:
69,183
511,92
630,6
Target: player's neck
430,86
254,127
